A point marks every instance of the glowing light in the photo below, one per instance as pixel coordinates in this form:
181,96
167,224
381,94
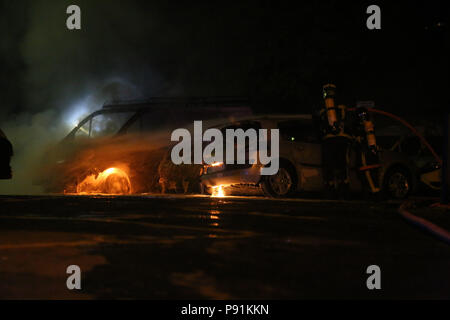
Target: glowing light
218,192
110,181
77,113
216,164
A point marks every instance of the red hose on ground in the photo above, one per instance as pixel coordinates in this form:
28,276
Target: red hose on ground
440,205
435,230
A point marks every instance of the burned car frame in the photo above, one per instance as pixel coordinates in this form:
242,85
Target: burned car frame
128,140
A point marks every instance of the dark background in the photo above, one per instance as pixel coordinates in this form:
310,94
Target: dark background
278,54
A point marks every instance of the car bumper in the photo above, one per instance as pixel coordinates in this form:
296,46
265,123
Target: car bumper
250,175
432,179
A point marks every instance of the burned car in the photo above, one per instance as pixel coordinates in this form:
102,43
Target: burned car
122,148
5,158
300,167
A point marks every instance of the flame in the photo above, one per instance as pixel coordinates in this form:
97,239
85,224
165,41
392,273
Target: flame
218,192
110,181
216,164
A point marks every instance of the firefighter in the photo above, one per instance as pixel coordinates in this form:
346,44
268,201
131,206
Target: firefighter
369,160
335,145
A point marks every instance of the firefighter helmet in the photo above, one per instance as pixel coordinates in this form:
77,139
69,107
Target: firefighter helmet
329,91
362,114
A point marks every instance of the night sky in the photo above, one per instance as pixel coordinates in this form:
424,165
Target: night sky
278,55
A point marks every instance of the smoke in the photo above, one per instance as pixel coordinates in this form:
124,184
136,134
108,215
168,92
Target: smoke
28,134
33,134
124,50
159,48
65,75
63,65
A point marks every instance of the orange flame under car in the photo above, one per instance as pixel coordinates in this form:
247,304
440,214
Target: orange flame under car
218,192
110,181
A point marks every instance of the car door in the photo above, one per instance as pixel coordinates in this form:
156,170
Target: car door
301,139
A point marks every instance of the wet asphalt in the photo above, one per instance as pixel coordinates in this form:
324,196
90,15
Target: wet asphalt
196,247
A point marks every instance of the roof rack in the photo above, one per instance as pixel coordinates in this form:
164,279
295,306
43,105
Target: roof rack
181,101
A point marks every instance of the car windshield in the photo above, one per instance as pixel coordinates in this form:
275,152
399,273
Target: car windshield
104,124
300,130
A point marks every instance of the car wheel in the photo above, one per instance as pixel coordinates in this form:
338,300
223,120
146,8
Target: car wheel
281,184
397,183
117,184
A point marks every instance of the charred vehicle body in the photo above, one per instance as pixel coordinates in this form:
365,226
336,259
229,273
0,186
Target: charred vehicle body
300,167
6,152
122,148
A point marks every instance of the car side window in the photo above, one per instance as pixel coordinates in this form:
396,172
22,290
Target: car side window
411,146
103,124
302,130
84,130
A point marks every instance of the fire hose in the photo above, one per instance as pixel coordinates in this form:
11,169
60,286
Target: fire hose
424,224
409,126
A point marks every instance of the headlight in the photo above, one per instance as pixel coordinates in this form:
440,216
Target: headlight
429,167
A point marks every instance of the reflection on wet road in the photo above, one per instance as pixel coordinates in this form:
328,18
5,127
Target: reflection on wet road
221,248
